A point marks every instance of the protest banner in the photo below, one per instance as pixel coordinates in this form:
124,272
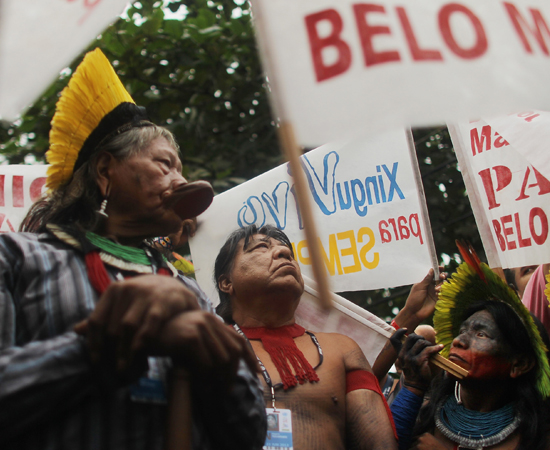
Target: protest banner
509,195
39,38
529,133
368,206
370,332
20,186
338,66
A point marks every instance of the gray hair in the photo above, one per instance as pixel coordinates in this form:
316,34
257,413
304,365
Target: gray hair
76,201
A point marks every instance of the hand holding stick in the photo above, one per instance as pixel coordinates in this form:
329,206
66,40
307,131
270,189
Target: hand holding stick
416,357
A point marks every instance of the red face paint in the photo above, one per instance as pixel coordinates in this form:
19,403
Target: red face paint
485,367
479,348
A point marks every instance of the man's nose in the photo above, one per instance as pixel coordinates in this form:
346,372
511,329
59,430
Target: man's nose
282,251
178,179
461,341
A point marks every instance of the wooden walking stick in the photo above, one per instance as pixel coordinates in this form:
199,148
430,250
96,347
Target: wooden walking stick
179,419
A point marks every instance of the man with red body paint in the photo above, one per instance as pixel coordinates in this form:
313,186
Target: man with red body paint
479,348
499,405
331,406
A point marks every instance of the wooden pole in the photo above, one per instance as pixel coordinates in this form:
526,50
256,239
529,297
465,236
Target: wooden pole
179,420
292,152
423,205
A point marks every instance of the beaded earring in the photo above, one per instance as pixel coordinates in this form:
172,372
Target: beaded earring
457,393
101,211
164,242
102,208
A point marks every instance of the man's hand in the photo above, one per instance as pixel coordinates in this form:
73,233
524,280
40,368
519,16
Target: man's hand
421,302
202,343
397,339
131,313
414,358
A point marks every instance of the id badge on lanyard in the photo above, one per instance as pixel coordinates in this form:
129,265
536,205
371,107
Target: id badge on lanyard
279,421
279,429
150,388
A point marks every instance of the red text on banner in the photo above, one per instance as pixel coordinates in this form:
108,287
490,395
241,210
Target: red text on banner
365,32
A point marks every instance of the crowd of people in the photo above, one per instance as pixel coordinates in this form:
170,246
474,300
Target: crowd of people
96,320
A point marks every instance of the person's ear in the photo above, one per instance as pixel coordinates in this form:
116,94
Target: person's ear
105,165
225,285
521,365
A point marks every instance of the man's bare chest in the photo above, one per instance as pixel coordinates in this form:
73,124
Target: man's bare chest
327,394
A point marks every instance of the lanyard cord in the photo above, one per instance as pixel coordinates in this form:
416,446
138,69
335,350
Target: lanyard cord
265,373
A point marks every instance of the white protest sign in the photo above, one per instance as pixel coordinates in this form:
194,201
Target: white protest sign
38,38
368,209
20,186
370,332
508,194
529,133
339,66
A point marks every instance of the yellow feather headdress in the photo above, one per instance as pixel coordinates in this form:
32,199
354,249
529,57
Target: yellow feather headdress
95,95
474,281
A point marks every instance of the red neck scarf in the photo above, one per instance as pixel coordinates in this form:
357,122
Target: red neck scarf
279,343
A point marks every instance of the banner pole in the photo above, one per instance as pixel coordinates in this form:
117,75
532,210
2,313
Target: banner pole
423,204
179,418
292,153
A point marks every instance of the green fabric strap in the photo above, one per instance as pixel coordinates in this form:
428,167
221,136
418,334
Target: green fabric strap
131,254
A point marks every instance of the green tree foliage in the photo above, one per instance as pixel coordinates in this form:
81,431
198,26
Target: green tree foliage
201,78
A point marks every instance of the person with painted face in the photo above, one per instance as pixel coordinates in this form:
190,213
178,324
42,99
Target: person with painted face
94,320
482,326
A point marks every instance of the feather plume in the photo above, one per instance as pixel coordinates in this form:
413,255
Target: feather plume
470,256
93,91
474,281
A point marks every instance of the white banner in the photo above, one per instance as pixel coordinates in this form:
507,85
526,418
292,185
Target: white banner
370,332
38,38
369,212
529,133
509,195
20,186
339,66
